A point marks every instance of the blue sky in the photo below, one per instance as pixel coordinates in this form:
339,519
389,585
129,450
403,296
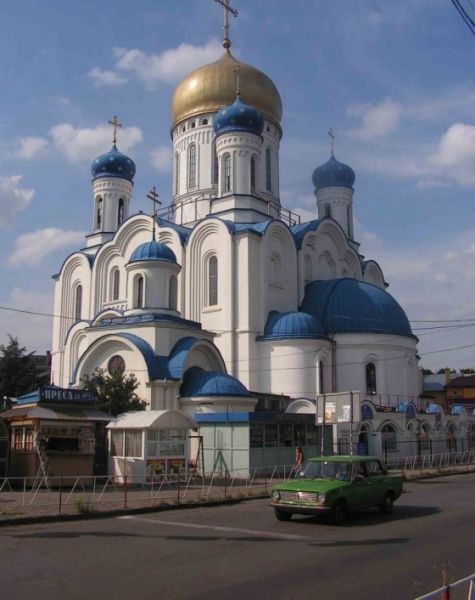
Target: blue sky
394,80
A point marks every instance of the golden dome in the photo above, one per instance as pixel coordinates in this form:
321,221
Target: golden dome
213,86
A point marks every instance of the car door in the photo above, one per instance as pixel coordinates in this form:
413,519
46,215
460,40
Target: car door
376,482
360,493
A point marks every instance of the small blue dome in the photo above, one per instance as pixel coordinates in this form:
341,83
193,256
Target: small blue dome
288,325
348,305
238,117
153,251
333,174
113,164
197,382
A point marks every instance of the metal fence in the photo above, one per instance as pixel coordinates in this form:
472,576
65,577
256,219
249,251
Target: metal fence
463,588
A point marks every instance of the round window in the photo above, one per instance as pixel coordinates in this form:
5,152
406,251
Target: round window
116,365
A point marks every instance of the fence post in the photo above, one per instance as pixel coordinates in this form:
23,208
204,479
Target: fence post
60,494
125,491
430,448
225,483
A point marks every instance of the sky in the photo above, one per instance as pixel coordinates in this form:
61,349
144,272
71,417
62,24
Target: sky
394,80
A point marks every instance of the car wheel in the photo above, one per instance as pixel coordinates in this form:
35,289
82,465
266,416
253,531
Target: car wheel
280,515
339,512
386,507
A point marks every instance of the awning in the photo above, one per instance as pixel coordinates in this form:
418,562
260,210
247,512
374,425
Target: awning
59,413
153,419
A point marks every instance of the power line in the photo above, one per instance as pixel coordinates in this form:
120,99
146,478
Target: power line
465,16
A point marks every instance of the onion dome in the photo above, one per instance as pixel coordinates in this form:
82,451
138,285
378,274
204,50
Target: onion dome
197,382
113,164
351,306
291,325
153,251
238,117
211,87
333,174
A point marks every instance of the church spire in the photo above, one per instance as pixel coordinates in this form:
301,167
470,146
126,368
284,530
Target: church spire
153,196
227,9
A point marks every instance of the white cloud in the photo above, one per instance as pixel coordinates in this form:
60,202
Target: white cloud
161,158
82,143
30,147
377,120
31,248
169,66
102,77
13,198
32,331
455,153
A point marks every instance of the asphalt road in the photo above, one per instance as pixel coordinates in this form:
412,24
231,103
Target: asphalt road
241,551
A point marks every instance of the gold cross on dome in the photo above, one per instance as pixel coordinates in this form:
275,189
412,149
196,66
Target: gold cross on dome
153,196
115,125
227,9
332,135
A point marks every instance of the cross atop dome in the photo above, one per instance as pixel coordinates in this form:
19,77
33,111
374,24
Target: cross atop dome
227,9
115,125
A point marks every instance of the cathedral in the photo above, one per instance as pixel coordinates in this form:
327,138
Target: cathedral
224,299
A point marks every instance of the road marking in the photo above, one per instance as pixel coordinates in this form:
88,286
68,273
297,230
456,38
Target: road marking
253,532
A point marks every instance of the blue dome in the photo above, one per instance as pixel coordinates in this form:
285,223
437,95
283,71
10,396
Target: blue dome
238,117
348,305
113,164
197,382
291,325
153,251
333,174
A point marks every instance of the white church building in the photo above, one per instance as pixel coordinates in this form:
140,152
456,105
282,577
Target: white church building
225,302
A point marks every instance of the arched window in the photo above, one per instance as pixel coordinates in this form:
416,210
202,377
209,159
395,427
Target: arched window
139,303
349,219
78,303
177,173
99,213
214,162
321,377
213,281
389,438
120,213
227,173
370,378
308,269
268,171
327,210
424,438
192,157
172,293
253,174
115,284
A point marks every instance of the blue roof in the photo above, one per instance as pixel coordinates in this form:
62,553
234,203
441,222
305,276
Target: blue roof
113,164
433,409
291,325
349,305
238,117
153,251
333,174
197,382
299,231
183,232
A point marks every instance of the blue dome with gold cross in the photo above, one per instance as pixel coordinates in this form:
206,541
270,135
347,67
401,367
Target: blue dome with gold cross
238,117
333,174
113,164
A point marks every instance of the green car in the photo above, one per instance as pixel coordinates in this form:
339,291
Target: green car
336,485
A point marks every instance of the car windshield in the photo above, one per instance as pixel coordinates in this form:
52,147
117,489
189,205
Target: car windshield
327,470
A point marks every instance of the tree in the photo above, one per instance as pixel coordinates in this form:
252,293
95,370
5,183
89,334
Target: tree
115,391
17,369
427,372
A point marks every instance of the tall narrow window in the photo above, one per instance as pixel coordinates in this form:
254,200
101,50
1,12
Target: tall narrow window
350,223
172,293
116,285
214,174
120,213
370,378
253,174
139,303
227,173
213,281
177,173
327,210
99,213
192,166
321,377
268,171
78,303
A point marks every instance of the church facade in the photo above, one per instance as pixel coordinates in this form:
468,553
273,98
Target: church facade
225,296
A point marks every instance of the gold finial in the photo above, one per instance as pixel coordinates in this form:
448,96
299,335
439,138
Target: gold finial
115,125
237,70
153,196
227,9
332,146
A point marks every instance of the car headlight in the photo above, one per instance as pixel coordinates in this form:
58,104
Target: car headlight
275,495
321,498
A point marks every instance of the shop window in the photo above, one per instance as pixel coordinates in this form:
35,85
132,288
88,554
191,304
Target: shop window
117,443
299,434
311,435
271,437
256,435
62,444
23,439
133,443
285,435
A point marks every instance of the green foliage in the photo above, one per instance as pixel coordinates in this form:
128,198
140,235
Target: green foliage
427,372
442,371
115,391
467,371
84,508
17,369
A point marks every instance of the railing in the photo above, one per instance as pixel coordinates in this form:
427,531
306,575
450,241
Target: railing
426,461
392,401
444,592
